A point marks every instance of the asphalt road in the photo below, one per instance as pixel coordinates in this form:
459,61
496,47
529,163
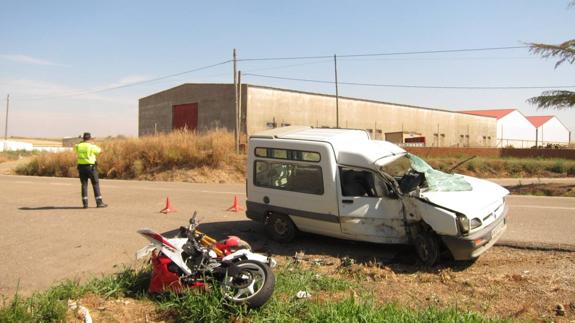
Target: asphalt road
45,236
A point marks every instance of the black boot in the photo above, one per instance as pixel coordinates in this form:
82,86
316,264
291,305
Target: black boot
85,203
100,203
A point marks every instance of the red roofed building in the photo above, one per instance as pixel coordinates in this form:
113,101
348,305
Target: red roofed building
549,130
495,113
513,128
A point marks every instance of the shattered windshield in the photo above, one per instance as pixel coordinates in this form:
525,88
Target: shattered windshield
411,171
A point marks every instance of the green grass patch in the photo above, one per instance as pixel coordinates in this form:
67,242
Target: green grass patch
330,302
507,167
51,305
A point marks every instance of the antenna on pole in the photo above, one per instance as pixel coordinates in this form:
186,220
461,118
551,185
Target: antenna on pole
236,130
336,93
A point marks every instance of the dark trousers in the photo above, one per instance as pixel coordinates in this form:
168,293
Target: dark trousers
89,172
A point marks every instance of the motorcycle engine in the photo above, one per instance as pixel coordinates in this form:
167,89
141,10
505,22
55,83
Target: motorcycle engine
194,257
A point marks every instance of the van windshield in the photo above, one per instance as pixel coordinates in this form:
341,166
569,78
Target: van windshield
411,172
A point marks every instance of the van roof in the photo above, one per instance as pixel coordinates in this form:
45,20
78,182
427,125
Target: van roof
351,147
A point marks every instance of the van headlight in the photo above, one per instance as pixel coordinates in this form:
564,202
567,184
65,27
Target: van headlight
463,223
474,223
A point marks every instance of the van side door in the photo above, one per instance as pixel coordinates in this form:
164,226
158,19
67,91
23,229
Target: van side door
368,210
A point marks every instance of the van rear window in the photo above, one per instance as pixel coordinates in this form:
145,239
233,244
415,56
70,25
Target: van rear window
289,154
288,176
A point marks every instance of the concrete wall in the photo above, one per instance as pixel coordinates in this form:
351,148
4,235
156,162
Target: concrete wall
215,107
441,128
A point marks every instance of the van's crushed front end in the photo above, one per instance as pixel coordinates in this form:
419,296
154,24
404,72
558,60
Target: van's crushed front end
467,213
472,245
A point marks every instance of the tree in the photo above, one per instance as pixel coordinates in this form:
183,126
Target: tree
557,99
565,52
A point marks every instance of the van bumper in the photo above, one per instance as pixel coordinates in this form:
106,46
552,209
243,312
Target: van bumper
473,245
256,211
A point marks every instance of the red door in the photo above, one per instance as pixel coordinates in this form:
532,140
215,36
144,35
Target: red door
185,116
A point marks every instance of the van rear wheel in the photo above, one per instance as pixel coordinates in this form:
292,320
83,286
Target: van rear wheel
280,228
428,247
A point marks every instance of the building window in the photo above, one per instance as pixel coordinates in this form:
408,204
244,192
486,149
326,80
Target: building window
287,176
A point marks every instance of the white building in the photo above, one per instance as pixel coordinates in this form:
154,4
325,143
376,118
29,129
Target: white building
549,130
513,128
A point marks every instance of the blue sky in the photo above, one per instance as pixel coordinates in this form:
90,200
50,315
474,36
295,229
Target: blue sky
52,50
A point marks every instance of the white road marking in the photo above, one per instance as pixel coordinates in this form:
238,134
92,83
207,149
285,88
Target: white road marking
543,207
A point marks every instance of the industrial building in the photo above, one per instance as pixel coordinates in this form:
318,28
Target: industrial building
513,128
203,107
550,131
518,131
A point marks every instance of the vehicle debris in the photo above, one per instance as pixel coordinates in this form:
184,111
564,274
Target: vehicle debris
82,312
302,294
560,310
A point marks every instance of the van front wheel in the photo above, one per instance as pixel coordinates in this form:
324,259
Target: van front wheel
428,247
280,228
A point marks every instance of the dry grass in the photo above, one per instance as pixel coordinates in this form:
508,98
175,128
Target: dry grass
180,155
210,158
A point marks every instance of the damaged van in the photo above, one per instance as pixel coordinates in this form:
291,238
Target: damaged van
342,184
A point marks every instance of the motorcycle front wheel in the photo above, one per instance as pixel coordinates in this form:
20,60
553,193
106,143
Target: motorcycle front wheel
252,285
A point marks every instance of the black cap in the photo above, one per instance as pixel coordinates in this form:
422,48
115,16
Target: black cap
86,136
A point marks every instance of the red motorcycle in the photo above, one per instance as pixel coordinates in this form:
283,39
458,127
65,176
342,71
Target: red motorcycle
192,259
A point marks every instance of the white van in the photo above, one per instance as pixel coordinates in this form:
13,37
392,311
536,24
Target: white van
340,183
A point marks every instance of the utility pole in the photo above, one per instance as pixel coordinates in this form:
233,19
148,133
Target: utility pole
336,93
6,125
239,120
236,132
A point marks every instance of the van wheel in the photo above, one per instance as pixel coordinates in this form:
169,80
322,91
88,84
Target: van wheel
280,228
428,247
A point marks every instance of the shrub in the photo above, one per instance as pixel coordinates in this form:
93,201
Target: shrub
132,158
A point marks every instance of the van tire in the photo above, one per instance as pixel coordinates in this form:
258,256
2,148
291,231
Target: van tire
428,247
280,228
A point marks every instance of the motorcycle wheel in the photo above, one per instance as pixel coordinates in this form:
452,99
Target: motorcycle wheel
253,285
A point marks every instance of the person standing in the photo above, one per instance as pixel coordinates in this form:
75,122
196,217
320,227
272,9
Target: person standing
86,153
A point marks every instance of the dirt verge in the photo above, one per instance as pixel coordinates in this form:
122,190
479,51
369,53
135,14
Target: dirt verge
505,283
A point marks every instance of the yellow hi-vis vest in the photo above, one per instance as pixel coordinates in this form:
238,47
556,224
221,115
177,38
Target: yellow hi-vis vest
86,153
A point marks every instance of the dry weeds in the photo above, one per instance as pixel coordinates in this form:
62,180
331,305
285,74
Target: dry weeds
177,156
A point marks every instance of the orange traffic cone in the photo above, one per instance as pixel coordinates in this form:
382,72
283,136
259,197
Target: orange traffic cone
236,206
168,208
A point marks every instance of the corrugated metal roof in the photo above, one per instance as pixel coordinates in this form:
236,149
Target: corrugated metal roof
495,113
538,121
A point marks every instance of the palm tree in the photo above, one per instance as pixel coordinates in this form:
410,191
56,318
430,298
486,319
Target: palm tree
565,52
556,98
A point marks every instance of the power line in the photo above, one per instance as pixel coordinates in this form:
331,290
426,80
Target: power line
461,50
323,57
415,86
129,84
449,58
290,65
